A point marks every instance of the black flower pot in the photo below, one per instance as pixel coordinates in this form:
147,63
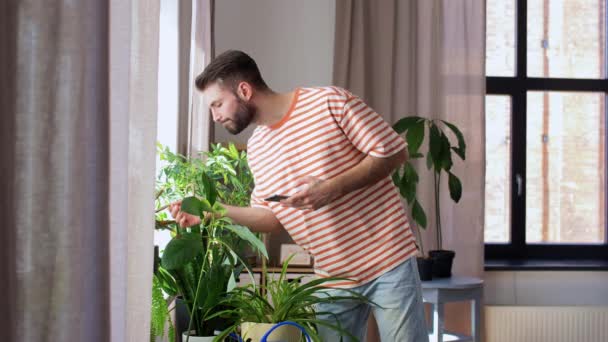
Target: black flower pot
442,263
182,318
425,268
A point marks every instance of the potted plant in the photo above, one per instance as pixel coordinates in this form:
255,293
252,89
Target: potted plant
439,160
200,263
257,310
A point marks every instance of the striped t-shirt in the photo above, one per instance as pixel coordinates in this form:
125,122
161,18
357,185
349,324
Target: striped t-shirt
327,131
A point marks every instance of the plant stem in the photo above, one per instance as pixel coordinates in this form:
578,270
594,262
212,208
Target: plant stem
198,288
437,177
162,208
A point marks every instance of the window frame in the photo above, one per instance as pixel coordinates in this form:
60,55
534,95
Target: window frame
517,251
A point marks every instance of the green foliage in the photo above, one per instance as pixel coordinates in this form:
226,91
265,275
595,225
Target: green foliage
181,250
290,301
438,159
200,262
160,314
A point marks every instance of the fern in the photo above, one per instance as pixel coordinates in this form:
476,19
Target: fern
160,314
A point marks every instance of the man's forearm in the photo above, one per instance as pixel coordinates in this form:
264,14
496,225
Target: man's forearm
257,219
369,171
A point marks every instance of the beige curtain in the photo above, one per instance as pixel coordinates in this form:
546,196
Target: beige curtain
77,133
196,49
134,37
425,58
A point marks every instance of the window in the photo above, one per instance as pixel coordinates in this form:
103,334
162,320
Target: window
167,90
546,130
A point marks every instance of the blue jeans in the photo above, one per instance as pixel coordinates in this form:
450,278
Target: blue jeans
400,315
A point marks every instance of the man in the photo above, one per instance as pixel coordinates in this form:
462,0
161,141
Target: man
333,156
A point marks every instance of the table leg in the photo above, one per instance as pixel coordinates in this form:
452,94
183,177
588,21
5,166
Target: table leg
476,317
438,324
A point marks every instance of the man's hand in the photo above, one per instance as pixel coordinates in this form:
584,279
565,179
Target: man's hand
316,194
182,218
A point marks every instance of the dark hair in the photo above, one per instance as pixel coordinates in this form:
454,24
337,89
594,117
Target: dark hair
230,68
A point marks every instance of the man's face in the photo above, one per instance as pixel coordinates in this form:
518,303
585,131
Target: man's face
227,108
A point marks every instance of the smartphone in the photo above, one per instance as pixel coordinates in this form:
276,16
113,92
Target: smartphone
275,198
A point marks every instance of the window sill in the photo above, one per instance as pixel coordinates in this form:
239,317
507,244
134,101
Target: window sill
546,265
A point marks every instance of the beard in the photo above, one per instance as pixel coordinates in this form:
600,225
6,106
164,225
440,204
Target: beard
242,117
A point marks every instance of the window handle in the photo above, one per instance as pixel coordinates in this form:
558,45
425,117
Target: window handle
519,182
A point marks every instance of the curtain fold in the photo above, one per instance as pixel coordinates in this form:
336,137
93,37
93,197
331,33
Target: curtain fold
77,132
133,45
425,58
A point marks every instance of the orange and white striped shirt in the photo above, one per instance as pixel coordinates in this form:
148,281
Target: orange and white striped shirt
327,131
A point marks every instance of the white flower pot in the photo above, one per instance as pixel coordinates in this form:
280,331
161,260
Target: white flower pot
197,338
255,331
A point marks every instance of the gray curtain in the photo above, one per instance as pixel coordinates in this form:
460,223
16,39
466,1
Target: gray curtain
77,177
425,58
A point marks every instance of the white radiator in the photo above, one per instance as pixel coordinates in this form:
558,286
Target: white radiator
546,324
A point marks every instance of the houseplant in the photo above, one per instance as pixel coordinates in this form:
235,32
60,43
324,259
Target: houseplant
200,263
287,301
439,160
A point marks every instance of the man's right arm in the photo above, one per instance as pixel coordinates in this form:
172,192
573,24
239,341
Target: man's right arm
257,219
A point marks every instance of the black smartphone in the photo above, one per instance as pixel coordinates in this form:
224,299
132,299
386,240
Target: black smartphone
275,198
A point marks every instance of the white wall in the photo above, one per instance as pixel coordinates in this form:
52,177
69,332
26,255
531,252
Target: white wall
292,42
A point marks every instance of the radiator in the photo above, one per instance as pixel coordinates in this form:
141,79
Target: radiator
546,324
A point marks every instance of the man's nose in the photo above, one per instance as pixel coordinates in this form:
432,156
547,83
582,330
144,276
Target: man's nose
216,116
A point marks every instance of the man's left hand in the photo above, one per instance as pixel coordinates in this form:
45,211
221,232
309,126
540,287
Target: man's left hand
317,193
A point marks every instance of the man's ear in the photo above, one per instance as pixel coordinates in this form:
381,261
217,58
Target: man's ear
244,90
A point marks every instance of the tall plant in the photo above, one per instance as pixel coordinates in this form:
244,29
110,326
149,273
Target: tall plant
200,263
439,160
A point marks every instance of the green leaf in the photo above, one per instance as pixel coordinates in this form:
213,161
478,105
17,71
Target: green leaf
455,187
213,285
396,177
234,153
409,182
429,161
446,154
404,124
218,208
415,136
181,250
245,234
416,155
159,309
418,214
210,190
192,206
435,147
461,150
205,206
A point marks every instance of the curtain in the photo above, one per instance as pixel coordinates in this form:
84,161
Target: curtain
425,58
77,132
133,45
196,49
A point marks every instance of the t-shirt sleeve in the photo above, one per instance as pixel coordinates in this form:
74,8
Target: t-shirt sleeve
367,130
